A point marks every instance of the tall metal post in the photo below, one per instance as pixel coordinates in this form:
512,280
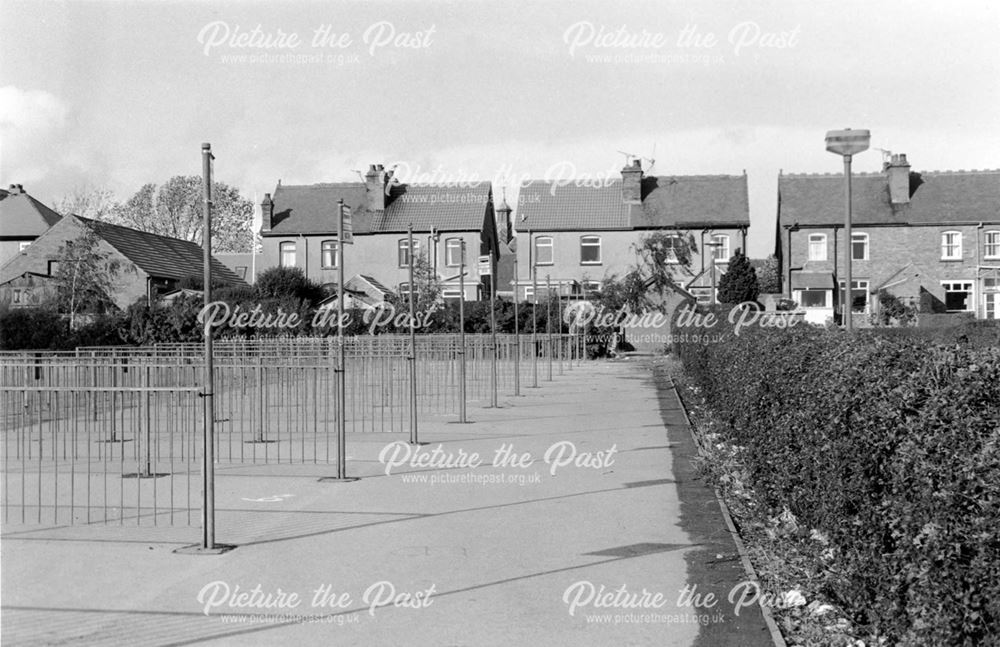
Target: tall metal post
208,382
548,322
342,359
341,370
517,335
534,311
848,294
413,347
493,329
461,337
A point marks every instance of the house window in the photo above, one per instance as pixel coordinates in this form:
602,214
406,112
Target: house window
529,293
702,294
590,288
287,254
817,247
951,246
957,296
543,250
15,297
241,271
53,268
404,291
992,246
451,294
453,252
675,246
23,245
590,250
720,249
328,256
813,298
404,251
859,247
859,295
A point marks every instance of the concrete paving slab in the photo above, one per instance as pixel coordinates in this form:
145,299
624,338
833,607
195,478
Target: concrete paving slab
593,552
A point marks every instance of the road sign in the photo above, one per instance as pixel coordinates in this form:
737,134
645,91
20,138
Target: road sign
348,227
485,267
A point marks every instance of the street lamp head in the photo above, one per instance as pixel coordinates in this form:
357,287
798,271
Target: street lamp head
847,141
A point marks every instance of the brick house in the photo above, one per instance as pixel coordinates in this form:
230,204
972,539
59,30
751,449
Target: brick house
22,220
930,238
150,264
581,235
299,229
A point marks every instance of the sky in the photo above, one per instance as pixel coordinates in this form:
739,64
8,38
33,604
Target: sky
114,95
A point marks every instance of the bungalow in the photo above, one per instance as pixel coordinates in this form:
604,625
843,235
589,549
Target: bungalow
930,238
149,264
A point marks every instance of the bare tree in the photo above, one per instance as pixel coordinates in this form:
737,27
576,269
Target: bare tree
96,203
85,277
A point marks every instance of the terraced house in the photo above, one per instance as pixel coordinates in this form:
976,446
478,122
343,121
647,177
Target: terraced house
931,238
582,235
300,230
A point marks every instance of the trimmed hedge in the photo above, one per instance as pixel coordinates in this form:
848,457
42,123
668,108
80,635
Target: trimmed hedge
888,445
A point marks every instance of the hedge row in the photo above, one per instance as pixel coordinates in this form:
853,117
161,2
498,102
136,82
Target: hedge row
888,445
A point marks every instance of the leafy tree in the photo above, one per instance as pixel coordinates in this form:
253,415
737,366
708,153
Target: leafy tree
287,283
769,277
176,209
85,277
739,283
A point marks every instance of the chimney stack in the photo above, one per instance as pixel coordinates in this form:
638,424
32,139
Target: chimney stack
375,180
632,183
266,213
898,170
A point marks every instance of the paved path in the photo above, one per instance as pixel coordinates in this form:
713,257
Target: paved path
511,555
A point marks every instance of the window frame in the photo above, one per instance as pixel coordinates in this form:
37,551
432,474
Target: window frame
448,249
583,244
970,299
827,299
451,294
283,248
547,242
702,293
866,288
403,247
958,245
821,239
866,240
715,250
323,249
672,248
23,245
529,293
995,235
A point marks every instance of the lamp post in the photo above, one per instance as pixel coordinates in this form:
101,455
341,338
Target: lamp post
847,143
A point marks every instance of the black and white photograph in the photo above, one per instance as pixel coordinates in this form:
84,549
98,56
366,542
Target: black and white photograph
474,323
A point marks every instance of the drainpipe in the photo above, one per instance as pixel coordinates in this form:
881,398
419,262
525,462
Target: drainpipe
980,292
788,283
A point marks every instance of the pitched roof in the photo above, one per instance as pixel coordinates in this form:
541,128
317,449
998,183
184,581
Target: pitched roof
310,209
159,256
667,201
936,197
22,216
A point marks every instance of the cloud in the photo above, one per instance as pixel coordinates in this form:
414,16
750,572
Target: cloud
30,122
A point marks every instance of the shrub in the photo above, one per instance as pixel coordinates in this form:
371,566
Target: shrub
890,446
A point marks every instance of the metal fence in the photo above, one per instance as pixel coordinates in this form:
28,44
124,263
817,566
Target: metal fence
113,434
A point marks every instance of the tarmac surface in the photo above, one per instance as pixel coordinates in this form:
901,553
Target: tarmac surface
594,531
